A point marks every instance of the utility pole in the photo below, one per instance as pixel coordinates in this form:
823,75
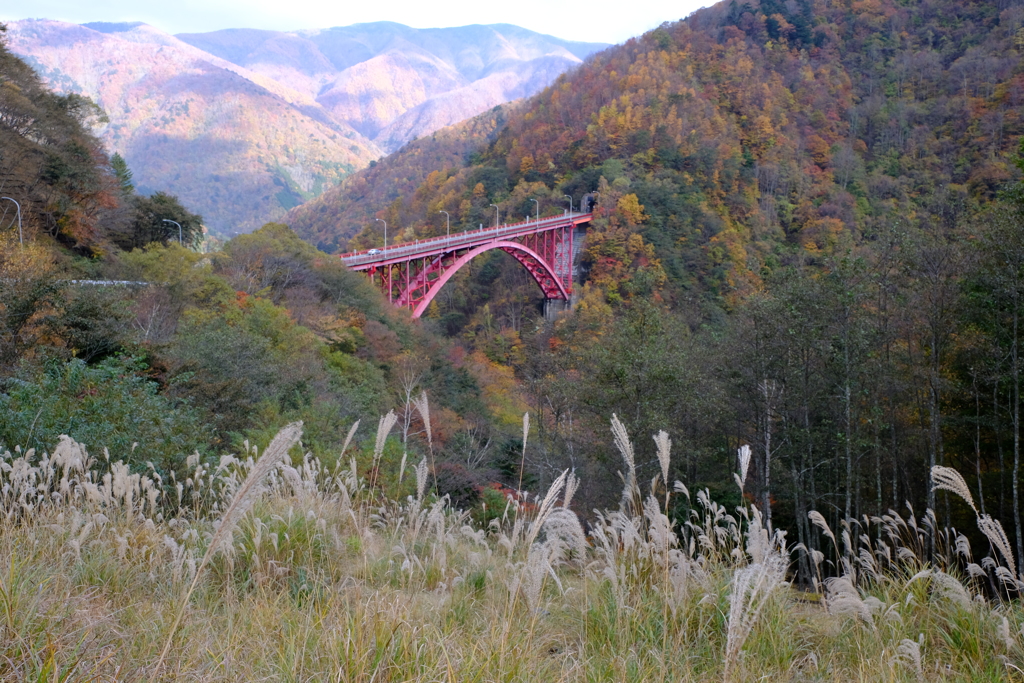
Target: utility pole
168,220
448,226
21,238
384,254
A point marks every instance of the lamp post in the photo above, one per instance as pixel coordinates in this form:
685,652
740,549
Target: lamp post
496,216
448,226
570,202
385,249
168,220
538,209
384,254
598,195
21,238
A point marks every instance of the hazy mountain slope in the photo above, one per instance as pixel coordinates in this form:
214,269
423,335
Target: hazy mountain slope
751,133
235,146
244,124
469,100
369,75
58,184
376,91
332,219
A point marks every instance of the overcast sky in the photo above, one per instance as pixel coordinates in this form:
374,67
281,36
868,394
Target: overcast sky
608,21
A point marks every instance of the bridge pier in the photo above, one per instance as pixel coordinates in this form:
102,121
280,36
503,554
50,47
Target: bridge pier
553,307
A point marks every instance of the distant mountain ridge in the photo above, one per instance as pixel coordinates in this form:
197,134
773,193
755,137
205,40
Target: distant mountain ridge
372,75
245,124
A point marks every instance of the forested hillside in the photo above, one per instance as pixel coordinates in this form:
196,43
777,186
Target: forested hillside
800,245
245,124
779,432
48,159
117,330
744,131
806,239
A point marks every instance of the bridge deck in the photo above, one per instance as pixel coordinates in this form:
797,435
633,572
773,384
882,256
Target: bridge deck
399,253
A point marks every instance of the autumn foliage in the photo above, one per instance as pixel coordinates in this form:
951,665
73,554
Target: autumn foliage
746,131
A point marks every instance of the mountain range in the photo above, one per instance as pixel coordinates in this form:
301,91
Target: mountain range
749,136
245,124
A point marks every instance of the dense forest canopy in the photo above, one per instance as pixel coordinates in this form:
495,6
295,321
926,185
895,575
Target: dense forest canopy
48,158
751,133
120,329
805,241
801,303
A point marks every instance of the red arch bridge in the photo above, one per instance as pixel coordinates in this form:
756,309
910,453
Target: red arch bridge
412,274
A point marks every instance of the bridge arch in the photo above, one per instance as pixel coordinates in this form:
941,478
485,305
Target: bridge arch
541,272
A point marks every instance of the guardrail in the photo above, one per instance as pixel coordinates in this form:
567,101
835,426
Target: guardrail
96,283
399,252
110,283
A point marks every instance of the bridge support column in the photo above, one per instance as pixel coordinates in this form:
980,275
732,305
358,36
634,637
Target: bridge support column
553,307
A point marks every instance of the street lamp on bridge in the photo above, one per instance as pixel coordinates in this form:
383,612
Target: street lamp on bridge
448,226
168,220
538,209
385,249
384,254
21,238
496,215
570,202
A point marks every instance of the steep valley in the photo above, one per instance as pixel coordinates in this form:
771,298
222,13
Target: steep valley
243,125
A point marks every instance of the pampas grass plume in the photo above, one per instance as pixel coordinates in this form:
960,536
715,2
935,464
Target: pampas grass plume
421,479
239,505
993,530
384,427
744,458
622,442
522,462
572,483
948,479
909,654
423,406
664,445
626,448
348,440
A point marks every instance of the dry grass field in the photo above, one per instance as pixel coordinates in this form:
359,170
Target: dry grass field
257,568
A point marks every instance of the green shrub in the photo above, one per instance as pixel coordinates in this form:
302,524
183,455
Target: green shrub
108,405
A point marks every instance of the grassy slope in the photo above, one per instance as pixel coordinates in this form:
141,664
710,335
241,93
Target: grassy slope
328,581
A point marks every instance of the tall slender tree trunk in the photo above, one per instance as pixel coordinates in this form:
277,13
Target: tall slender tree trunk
848,452
1014,360
768,391
767,500
812,484
800,468
803,567
847,415
893,439
878,461
999,449
977,441
933,415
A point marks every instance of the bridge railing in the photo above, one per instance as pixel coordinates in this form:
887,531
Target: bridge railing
399,252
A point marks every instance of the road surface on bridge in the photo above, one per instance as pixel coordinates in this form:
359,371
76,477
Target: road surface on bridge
399,253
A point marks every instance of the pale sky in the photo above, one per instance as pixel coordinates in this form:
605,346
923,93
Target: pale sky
607,21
